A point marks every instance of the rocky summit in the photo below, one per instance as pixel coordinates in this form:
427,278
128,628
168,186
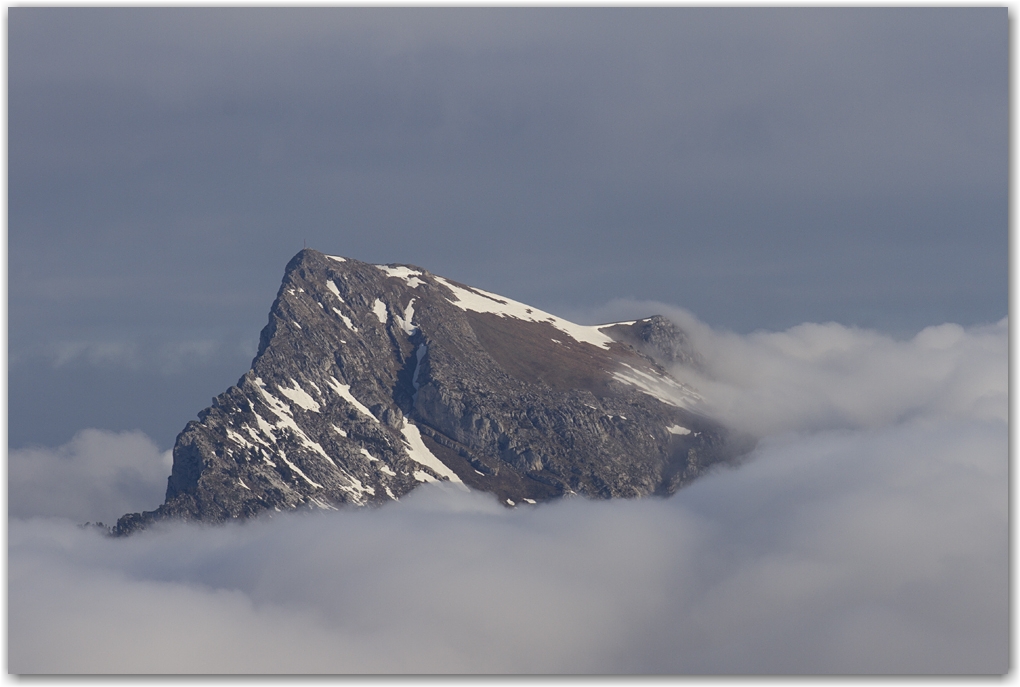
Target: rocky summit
372,379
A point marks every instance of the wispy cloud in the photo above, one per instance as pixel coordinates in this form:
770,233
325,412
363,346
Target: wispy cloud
117,353
137,354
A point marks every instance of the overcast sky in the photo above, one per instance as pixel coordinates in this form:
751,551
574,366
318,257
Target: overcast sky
761,168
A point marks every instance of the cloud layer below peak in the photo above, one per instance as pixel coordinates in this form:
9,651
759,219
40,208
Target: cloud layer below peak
867,533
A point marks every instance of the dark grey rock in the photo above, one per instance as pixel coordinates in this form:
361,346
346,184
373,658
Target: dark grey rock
360,366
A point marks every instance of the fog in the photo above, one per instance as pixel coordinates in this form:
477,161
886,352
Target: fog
97,476
867,533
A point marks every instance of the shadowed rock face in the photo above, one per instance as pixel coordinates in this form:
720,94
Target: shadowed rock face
370,380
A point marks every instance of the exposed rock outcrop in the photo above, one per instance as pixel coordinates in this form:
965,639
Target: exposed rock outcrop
370,380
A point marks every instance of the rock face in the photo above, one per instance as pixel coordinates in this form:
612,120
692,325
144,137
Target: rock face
370,380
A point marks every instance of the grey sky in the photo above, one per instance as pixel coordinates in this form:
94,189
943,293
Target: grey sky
761,168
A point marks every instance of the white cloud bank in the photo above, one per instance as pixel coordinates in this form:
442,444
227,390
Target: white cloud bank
97,476
868,533
827,376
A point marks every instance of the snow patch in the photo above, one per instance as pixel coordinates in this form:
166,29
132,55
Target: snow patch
420,453
255,435
332,287
238,439
477,300
347,321
665,389
344,390
322,504
265,428
295,468
379,308
337,258
405,321
300,397
406,273
677,429
286,421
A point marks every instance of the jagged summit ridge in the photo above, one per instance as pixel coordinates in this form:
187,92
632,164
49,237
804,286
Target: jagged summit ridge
372,379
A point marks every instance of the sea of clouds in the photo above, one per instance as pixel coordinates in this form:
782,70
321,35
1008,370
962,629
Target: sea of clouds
866,533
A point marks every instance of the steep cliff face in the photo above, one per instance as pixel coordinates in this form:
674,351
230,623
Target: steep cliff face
370,380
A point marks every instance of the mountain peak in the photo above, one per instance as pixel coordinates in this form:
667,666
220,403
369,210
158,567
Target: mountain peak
372,379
